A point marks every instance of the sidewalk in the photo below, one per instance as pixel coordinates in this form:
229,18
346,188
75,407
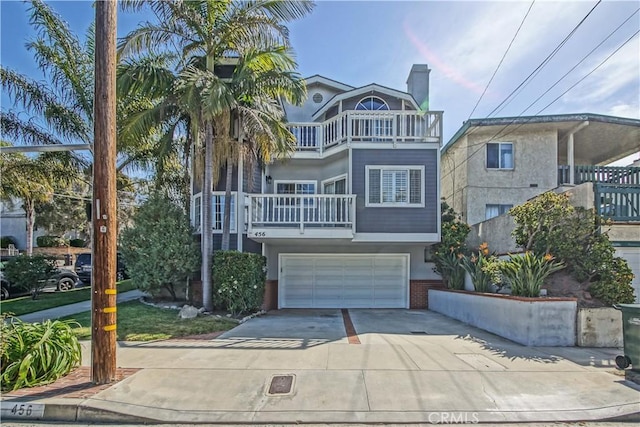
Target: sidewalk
78,307
451,372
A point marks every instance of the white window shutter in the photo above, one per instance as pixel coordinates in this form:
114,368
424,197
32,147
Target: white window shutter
374,185
415,181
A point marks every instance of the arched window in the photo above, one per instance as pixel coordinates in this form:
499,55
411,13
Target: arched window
372,103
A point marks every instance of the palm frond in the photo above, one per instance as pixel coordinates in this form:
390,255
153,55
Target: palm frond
25,131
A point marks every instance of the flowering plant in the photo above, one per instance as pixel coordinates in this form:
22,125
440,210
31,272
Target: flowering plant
239,281
526,273
483,267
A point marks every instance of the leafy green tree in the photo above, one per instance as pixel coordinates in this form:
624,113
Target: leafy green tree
549,224
31,181
30,272
202,36
159,248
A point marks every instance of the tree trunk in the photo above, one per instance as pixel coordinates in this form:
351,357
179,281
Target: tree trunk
207,218
226,221
31,218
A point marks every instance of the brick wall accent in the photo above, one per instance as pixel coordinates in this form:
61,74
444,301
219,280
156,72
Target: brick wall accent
419,292
270,301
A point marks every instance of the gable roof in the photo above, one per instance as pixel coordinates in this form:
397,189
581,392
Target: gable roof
363,90
318,79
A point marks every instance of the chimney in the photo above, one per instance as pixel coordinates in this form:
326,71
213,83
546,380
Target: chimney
418,84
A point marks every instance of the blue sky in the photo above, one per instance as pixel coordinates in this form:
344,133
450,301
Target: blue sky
360,42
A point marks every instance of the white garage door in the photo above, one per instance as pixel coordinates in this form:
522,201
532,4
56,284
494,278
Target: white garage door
343,281
632,255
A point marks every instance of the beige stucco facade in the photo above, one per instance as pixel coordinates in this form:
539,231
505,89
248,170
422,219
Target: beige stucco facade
468,185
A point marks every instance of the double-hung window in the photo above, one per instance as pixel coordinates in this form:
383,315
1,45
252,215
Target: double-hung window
395,186
197,212
500,155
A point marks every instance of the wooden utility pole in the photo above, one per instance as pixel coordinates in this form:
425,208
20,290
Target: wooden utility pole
103,275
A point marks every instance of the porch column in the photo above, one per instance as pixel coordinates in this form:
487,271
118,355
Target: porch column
571,161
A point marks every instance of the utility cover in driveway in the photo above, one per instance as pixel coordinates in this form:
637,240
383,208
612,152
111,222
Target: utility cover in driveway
344,281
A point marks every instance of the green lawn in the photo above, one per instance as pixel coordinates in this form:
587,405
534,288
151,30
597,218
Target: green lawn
25,305
140,322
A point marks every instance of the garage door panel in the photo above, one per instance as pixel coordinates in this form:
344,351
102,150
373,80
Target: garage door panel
343,281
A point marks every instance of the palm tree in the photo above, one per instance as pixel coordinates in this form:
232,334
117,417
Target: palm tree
32,181
201,35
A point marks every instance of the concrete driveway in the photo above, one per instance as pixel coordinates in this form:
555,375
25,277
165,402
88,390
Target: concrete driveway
409,367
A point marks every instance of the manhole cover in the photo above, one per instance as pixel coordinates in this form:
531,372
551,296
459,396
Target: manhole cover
281,384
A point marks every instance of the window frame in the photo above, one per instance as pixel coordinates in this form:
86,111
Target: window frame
335,179
233,229
500,167
196,214
500,206
384,104
408,169
307,202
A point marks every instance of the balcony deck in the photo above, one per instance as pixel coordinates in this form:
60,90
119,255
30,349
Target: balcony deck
301,215
368,126
620,175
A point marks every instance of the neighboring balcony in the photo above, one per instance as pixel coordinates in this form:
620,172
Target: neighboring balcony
273,216
616,190
368,126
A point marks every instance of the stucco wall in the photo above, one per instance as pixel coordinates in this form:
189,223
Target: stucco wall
496,232
453,176
527,321
599,327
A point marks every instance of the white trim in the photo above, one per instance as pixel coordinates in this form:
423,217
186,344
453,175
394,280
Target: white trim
363,90
240,220
500,143
406,256
334,179
318,79
397,237
390,145
197,228
294,181
382,204
261,234
233,230
372,97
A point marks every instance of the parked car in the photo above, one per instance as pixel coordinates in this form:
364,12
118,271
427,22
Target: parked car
83,267
63,280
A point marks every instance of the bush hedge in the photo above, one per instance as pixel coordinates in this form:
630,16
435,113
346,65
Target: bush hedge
77,243
50,241
238,279
5,241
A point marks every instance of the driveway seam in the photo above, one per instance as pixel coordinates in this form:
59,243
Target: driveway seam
366,390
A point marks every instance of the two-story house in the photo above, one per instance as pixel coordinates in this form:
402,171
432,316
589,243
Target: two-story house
345,221
491,165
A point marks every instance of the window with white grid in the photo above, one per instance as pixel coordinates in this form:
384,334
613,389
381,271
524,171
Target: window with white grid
218,212
395,186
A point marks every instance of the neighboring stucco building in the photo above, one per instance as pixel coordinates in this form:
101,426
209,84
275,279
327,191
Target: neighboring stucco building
13,222
491,165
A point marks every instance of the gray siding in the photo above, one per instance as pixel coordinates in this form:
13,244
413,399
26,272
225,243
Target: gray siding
316,170
396,219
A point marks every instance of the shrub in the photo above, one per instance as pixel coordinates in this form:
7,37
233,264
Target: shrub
484,269
159,249
526,273
614,286
30,272
549,224
238,281
50,241
36,353
77,243
5,241
449,251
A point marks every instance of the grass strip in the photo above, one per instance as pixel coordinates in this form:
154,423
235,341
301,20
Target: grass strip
140,322
46,300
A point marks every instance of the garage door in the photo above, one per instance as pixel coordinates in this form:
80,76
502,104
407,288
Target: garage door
632,255
343,281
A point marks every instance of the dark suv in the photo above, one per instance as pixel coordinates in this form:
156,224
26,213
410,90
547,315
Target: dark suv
83,268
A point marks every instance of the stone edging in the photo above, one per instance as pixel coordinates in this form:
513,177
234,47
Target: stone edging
202,312
511,297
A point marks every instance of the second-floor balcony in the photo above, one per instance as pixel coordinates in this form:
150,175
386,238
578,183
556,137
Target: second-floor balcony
301,215
368,126
616,202
621,175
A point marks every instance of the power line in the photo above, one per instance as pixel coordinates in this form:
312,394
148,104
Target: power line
501,60
499,133
539,68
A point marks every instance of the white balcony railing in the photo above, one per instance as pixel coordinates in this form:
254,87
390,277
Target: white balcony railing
325,211
360,126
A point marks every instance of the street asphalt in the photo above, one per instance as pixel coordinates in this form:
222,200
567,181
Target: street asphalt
411,366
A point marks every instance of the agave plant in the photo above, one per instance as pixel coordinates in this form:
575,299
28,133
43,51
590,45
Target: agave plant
36,353
526,273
